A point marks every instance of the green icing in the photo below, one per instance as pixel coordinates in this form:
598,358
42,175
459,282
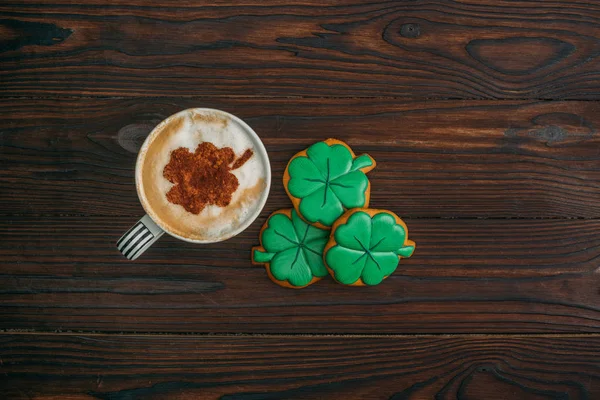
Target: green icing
328,181
367,248
293,248
261,257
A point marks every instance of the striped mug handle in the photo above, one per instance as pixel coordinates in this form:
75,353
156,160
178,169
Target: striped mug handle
137,239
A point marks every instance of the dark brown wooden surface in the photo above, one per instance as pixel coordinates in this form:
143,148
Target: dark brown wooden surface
277,367
435,158
466,276
483,118
448,49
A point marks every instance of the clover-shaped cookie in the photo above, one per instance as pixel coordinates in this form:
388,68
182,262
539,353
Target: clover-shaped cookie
291,250
366,246
326,179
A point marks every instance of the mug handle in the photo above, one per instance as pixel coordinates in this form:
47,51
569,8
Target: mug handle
139,238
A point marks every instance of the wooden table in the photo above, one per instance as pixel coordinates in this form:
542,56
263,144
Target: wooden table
483,117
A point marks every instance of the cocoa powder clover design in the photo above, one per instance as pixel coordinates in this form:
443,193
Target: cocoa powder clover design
204,177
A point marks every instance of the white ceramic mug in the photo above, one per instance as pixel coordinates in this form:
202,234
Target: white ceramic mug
148,230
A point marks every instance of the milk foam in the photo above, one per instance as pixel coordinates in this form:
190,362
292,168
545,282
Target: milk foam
188,129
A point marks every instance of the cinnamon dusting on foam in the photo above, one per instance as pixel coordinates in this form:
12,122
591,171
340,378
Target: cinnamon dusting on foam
187,131
203,177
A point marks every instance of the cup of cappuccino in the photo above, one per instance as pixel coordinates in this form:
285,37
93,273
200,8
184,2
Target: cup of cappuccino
202,176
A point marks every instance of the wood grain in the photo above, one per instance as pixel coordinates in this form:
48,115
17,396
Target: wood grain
64,273
435,158
418,49
501,195
278,367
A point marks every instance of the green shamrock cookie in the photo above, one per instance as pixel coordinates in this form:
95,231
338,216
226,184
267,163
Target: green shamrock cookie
325,180
291,250
366,246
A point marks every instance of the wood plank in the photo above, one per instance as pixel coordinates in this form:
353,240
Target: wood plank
445,49
278,367
435,158
466,276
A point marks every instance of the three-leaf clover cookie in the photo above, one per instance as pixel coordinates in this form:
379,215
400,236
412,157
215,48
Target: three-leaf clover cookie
325,180
291,250
366,246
